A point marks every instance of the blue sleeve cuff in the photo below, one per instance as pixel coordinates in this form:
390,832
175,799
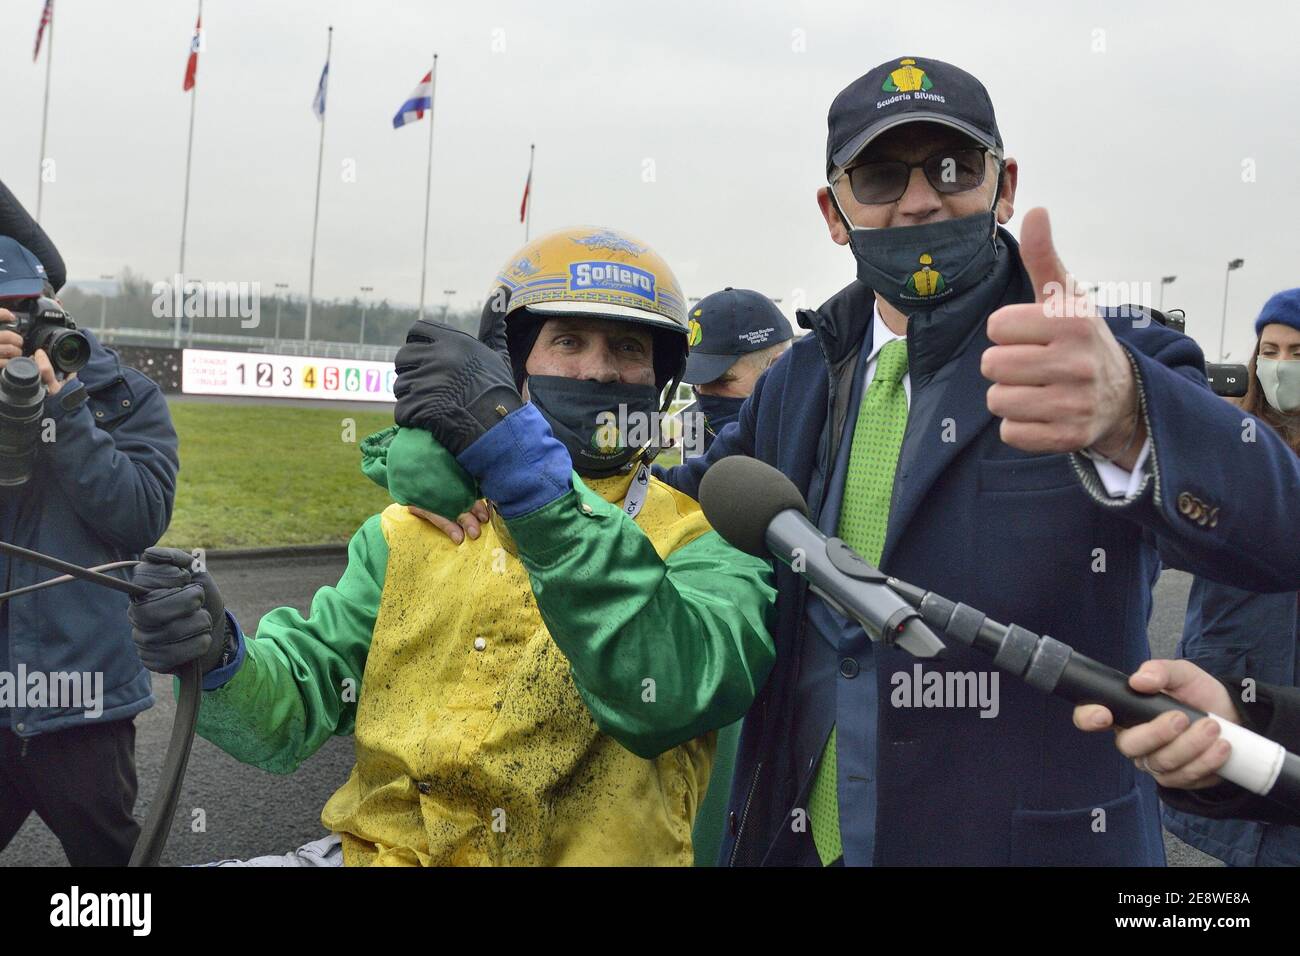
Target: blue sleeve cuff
220,676
70,397
519,464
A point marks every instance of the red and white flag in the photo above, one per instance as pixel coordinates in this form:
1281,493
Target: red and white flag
192,67
46,16
528,185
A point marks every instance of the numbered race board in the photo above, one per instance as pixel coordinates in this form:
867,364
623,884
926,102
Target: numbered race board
258,375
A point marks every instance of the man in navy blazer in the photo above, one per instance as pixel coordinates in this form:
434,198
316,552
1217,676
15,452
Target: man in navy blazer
1052,455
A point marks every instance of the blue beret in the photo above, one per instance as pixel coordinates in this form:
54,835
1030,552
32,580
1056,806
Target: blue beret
1283,308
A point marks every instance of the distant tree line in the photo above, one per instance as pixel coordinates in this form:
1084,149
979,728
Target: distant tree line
334,320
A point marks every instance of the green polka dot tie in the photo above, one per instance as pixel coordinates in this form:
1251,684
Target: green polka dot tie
864,518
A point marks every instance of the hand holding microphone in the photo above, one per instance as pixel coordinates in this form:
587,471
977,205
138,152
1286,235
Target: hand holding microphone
1172,748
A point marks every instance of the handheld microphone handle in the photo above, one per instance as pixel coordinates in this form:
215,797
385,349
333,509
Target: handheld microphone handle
1256,763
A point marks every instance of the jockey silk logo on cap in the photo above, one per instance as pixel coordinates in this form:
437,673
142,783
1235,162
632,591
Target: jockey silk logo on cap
910,82
695,333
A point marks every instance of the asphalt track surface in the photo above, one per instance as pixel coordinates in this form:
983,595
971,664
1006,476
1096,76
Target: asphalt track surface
249,812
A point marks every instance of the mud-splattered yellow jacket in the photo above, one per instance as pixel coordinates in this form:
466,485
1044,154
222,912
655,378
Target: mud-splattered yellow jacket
545,694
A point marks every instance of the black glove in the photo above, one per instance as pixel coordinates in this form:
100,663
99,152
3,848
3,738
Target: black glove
451,384
182,618
492,322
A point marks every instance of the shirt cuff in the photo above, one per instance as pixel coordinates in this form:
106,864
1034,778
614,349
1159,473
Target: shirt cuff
519,464
1118,482
219,676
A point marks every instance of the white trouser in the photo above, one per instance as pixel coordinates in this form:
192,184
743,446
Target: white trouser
327,851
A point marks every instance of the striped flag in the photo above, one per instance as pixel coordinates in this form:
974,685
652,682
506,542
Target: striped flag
192,66
46,16
421,99
318,104
528,185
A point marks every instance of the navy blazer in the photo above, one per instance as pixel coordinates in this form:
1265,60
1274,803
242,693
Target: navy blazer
1031,539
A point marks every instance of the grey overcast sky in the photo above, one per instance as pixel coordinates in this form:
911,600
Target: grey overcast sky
1162,136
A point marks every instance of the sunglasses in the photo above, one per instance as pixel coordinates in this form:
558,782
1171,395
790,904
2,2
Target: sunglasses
948,171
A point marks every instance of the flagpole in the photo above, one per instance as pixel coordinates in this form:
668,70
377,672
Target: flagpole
320,161
185,206
528,210
428,187
45,117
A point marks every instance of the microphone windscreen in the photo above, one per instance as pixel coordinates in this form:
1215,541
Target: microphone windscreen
740,497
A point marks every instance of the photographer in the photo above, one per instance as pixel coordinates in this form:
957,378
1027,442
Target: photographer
95,486
1232,632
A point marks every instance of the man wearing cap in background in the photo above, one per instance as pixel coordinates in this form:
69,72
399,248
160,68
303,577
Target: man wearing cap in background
98,490
885,420
735,336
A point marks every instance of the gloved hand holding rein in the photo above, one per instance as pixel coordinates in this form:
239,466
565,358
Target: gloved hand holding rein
182,618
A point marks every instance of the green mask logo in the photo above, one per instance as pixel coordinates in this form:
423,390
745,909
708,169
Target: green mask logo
606,438
925,281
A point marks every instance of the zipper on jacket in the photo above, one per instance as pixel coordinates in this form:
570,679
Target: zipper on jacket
832,441
744,814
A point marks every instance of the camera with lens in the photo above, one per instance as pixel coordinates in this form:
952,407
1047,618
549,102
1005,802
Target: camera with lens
1228,381
43,324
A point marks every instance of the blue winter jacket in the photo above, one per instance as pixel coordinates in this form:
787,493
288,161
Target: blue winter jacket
100,491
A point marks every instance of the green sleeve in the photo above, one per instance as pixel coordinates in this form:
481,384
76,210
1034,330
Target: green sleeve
301,677
662,651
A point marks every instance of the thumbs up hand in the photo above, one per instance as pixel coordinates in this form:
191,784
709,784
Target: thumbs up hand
1060,380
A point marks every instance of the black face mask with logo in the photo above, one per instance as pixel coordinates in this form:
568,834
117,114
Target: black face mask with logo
919,268
587,417
719,411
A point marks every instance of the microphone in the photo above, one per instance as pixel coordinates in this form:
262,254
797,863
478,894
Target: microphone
759,511
1256,763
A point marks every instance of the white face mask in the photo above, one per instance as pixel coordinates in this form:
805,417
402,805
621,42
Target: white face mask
1280,381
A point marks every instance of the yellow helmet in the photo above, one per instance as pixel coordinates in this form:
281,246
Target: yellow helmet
593,271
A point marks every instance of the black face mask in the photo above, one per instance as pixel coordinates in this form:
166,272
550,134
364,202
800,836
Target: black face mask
590,419
719,411
919,268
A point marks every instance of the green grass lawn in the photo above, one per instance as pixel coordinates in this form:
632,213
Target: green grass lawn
265,475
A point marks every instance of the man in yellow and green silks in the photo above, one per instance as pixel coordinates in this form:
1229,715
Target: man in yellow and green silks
549,691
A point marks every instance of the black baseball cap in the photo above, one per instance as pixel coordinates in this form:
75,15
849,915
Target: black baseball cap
21,273
726,325
904,91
